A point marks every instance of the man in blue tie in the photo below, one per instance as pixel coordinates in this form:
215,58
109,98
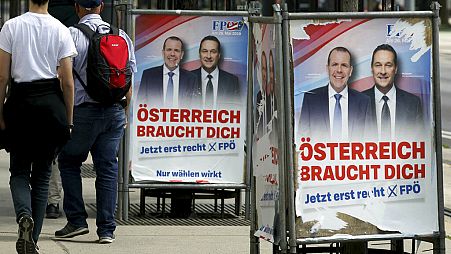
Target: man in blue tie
335,112
168,85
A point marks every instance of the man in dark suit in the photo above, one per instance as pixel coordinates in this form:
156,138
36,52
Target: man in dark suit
398,114
219,89
168,85
335,112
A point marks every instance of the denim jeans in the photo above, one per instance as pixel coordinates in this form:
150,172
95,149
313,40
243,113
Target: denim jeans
29,184
36,125
55,186
98,130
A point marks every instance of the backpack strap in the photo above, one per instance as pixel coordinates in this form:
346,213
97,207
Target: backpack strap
89,32
85,29
79,79
114,30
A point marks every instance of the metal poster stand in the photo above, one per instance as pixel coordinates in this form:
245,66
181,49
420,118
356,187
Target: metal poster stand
126,184
283,200
436,238
284,94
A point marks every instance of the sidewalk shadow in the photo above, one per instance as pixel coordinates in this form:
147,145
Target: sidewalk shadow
72,240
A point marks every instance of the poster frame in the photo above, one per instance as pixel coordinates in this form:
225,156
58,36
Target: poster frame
126,183
437,238
283,201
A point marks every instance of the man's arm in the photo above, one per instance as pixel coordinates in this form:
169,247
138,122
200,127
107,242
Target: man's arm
67,84
5,59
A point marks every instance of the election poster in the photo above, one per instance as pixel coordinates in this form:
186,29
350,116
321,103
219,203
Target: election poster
265,138
363,127
189,99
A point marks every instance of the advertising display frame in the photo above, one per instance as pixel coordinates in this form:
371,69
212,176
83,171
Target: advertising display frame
126,184
289,243
278,235
437,237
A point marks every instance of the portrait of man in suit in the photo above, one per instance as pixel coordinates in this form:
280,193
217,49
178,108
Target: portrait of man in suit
219,88
398,113
168,85
335,112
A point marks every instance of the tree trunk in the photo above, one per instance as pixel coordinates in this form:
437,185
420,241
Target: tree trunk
444,16
349,5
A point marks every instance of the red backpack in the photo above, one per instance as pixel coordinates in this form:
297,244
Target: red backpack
108,72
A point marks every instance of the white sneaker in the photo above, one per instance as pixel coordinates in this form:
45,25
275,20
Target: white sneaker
106,239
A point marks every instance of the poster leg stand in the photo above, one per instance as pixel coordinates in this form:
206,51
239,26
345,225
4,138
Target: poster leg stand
249,134
251,207
439,242
283,138
254,241
397,246
286,77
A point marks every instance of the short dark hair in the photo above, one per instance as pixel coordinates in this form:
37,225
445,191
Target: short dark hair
39,2
340,49
210,38
174,38
387,48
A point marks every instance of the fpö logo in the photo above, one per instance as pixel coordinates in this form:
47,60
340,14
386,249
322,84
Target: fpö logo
224,26
391,31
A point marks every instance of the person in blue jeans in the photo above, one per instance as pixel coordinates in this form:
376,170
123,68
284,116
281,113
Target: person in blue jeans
97,129
64,11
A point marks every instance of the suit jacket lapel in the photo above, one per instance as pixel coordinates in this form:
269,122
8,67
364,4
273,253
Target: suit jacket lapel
323,105
401,111
182,86
159,80
353,109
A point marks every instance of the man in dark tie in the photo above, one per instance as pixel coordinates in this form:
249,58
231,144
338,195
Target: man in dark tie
398,114
168,85
219,88
335,112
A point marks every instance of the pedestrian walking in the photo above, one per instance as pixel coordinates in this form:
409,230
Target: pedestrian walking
98,128
37,115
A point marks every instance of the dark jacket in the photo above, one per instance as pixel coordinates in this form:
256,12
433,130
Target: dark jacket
35,113
228,88
409,121
151,88
314,121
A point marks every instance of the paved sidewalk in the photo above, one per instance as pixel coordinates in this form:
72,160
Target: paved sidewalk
129,239
150,239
